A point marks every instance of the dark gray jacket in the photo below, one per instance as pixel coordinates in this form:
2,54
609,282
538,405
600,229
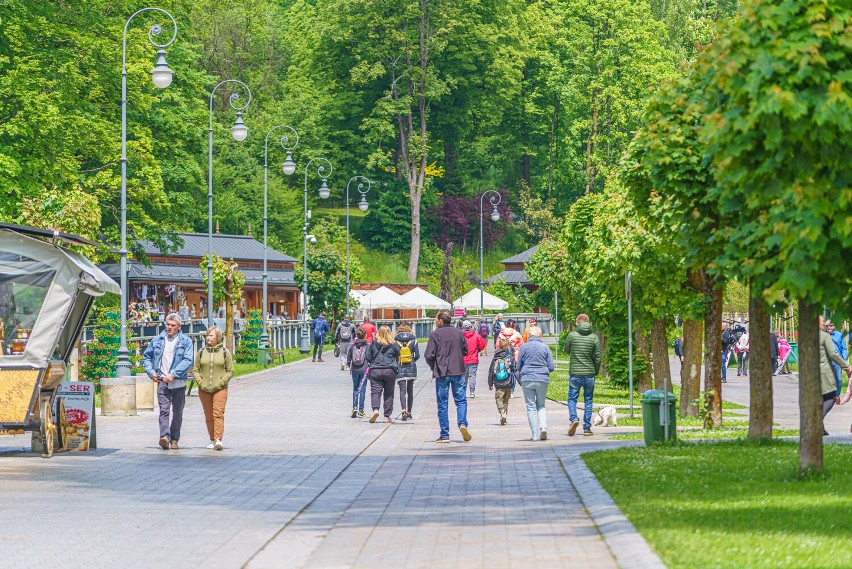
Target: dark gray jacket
535,361
383,357
445,352
408,370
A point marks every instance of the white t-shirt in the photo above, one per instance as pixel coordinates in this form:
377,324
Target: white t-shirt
168,354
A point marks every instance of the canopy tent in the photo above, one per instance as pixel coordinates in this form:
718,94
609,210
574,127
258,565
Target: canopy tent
471,300
425,300
383,297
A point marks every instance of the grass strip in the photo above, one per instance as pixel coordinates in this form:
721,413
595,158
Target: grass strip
732,504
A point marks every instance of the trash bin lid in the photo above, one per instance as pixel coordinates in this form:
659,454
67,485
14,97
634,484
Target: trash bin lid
657,395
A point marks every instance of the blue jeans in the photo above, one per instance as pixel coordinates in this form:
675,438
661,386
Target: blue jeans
838,379
442,392
587,382
359,390
535,396
725,364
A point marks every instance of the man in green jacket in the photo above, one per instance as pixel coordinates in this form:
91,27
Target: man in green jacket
584,350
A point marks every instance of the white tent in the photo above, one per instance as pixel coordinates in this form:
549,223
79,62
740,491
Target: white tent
383,297
471,301
425,300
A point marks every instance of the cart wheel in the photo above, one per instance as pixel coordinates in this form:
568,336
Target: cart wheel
62,425
47,430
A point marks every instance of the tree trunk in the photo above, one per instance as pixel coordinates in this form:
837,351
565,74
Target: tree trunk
760,369
713,299
414,258
690,374
643,352
660,351
810,392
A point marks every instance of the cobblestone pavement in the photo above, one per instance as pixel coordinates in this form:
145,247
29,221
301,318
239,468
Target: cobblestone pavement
301,484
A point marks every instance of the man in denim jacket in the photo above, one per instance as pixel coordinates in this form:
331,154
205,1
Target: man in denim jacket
166,360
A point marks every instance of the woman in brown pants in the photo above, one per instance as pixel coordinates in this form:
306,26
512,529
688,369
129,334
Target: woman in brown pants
214,368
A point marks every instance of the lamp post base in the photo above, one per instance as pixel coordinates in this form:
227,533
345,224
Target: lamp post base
122,366
304,344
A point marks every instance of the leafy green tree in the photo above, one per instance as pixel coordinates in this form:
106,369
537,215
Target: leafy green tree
779,135
327,280
228,283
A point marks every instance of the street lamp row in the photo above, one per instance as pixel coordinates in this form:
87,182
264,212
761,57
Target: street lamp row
161,77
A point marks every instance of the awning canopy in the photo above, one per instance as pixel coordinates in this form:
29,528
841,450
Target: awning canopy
471,301
425,300
383,297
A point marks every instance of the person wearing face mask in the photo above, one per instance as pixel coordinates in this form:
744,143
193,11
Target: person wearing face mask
214,368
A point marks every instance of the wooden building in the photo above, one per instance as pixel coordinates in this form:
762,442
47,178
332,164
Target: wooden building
174,283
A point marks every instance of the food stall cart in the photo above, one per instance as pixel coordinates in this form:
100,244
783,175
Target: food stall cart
46,292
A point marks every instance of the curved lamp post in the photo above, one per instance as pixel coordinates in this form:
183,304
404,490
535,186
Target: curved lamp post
161,76
288,167
495,216
363,206
239,131
324,191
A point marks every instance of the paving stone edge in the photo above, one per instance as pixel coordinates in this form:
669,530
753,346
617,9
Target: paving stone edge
627,545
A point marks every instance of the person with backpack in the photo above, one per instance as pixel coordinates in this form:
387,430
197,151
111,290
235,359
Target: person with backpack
213,369
343,335
515,340
319,327
482,328
535,364
501,378
383,357
475,344
356,361
409,353
496,327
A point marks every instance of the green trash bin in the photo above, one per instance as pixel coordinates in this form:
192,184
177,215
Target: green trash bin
794,351
263,357
653,415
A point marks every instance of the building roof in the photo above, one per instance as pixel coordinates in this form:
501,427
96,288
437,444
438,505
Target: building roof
521,257
515,277
169,273
237,247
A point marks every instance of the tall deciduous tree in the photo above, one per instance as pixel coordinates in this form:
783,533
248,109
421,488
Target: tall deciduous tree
780,136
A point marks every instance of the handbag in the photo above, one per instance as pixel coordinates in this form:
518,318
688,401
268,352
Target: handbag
336,350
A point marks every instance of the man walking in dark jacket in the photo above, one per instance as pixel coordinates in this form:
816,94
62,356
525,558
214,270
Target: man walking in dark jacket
584,350
445,353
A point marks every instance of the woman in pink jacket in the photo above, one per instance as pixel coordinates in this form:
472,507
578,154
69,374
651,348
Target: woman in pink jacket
513,336
475,344
784,350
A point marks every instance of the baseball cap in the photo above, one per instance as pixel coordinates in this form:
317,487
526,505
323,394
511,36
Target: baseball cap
467,325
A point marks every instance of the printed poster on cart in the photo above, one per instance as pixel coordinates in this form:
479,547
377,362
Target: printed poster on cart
79,400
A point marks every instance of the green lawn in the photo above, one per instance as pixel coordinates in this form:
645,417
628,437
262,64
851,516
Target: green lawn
732,504
729,430
290,355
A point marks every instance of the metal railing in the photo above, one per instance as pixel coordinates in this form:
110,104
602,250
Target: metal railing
286,334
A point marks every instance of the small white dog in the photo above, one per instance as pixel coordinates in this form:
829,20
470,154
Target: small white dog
606,417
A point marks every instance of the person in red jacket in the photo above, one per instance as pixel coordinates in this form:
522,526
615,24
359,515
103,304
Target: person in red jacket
370,329
475,344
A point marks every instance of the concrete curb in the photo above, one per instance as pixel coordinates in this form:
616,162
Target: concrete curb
627,545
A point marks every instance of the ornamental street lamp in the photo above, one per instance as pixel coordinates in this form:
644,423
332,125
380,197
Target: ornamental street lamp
161,76
495,216
363,206
324,191
288,167
239,131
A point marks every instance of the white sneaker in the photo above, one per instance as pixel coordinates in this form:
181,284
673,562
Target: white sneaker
210,446
217,445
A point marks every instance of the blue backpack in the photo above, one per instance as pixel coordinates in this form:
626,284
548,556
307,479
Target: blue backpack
502,369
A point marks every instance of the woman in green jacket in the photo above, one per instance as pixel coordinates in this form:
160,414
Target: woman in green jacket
213,369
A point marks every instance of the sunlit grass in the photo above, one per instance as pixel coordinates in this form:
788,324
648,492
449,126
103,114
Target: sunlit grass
733,504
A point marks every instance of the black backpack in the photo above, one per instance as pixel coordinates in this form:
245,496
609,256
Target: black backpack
503,371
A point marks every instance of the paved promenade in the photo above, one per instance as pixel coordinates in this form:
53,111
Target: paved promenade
300,484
